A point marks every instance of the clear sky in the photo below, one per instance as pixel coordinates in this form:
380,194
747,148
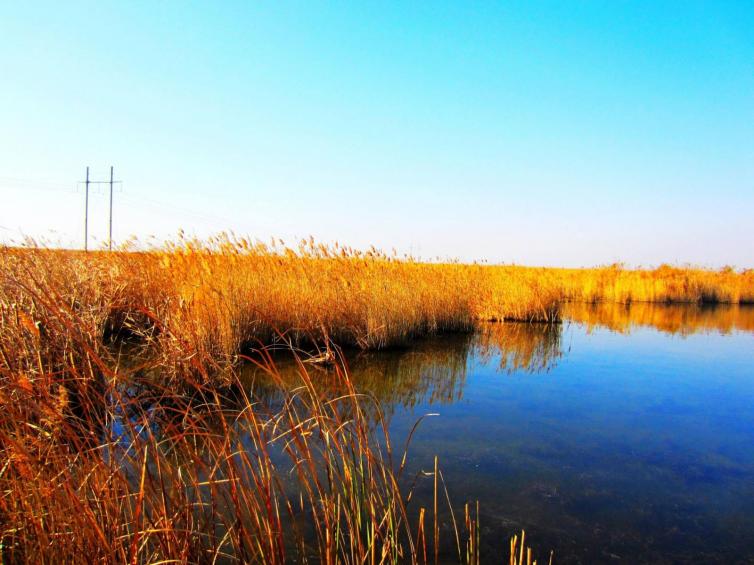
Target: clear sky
556,133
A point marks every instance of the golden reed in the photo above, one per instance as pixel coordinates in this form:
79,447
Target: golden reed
145,458
102,459
202,303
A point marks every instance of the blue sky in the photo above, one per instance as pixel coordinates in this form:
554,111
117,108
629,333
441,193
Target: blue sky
555,133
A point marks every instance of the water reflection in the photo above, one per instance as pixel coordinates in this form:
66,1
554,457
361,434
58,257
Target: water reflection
433,371
531,348
680,319
637,447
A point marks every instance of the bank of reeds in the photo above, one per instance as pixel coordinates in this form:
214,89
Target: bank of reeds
665,284
162,460
201,304
104,459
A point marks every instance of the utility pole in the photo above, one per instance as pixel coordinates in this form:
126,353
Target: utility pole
110,240
86,214
112,182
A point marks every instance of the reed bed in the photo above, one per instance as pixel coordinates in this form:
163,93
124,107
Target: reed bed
142,474
201,304
665,284
104,457
164,454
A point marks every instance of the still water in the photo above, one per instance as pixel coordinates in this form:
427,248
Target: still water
624,435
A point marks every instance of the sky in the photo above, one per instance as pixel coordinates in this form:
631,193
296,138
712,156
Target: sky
543,133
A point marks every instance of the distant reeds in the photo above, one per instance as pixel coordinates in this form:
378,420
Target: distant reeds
664,284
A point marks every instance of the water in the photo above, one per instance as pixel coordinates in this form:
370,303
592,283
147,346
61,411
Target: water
624,435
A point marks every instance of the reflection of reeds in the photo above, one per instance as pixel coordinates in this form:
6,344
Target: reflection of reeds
434,371
668,318
431,371
521,347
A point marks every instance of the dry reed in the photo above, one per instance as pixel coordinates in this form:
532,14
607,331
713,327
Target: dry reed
149,457
199,305
102,458
169,457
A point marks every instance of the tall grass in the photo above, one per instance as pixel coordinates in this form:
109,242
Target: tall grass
106,459
201,304
665,284
144,474
165,455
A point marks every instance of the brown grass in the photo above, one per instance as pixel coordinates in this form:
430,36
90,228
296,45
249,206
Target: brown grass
105,457
664,284
164,455
200,305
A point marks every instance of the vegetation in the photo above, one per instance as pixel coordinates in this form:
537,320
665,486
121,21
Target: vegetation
104,457
164,454
199,305
664,284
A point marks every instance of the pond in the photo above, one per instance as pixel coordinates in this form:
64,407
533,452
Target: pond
625,434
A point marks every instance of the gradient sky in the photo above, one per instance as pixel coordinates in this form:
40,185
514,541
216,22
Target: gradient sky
556,133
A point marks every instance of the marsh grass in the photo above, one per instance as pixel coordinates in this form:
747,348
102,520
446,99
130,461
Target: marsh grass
127,458
137,472
665,284
164,454
141,473
200,305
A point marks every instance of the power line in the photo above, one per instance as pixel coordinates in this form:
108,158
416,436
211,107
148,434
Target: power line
17,180
131,201
20,184
17,184
225,222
